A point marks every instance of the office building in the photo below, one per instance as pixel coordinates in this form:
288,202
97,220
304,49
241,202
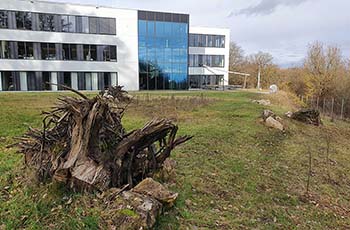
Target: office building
90,47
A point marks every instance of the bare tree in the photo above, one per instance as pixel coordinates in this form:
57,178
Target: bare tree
236,62
262,62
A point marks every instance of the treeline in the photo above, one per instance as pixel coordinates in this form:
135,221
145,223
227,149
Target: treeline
323,75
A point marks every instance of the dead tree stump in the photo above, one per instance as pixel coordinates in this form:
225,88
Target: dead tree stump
84,145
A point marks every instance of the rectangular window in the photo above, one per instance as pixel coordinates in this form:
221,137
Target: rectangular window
65,23
25,50
28,21
3,19
112,26
73,52
44,51
66,52
205,40
90,52
5,50
93,25
82,24
104,25
48,51
47,22
67,79
109,53
23,20
69,52
208,60
72,24
19,20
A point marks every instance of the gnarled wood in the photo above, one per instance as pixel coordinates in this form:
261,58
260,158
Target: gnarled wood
84,145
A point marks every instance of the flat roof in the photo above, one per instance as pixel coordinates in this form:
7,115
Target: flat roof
96,6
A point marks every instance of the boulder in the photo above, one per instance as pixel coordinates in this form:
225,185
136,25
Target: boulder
308,116
156,190
129,210
273,123
267,113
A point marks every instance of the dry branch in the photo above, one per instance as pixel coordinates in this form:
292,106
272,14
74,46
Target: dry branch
84,145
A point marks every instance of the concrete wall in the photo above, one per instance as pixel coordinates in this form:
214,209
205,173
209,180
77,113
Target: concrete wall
211,51
126,41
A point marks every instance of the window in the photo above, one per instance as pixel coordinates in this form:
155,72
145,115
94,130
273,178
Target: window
69,52
109,53
72,24
5,50
112,26
3,19
8,81
106,79
93,25
48,51
25,50
67,79
205,40
208,60
90,53
23,20
82,24
104,25
47,22
46,76
88,81
65,23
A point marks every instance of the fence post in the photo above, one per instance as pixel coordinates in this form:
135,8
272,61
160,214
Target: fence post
324,105
342,109
317,102
332,109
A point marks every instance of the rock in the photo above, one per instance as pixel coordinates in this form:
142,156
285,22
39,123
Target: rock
277,118
308,116
273,123
267,113
262,102
156,190
289,114
168,173
141,211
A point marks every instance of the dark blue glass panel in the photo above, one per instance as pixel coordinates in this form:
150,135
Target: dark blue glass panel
142,28
163,55
151,27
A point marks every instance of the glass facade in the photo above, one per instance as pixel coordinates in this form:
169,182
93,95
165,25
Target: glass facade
204,81
163,50
198,60
207,40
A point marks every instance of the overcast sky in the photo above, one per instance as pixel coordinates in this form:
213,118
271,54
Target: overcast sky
283,28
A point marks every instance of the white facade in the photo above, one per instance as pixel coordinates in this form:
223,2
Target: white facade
211,51
124,71
126,41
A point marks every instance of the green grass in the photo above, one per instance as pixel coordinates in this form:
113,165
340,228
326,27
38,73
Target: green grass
237,173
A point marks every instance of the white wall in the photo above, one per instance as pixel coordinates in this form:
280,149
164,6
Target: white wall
211,51
126,41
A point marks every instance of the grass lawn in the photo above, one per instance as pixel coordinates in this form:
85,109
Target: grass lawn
234,174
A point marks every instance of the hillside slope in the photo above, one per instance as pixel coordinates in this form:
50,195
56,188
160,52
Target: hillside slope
235,173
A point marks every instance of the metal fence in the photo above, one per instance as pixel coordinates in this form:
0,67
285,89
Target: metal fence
336,108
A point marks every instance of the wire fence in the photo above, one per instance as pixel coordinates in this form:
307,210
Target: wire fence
336,108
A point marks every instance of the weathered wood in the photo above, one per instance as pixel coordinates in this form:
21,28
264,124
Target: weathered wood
83,144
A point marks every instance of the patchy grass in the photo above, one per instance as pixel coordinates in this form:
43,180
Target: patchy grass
235,173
